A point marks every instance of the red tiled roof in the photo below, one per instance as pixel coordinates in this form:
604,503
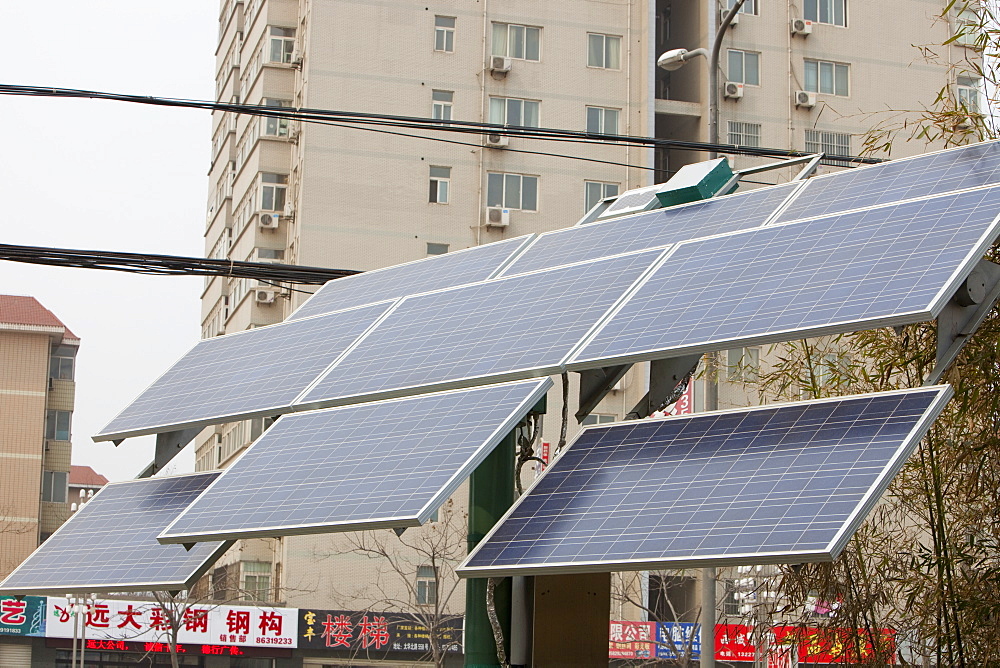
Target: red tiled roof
84,475
20,310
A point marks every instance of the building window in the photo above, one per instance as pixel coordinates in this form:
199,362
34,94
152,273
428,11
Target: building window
256,580
441,104
57,425
436,249
744,134
833,12
831,143
604,51
514,111
440,185
731,606
515,41
444,33
601,120
512,191
744,364
426,585
282,44
270,254
61,363
749,7
744,67
827,78
967,25
276,127
595,191
55,486
273,189
599,418
968,94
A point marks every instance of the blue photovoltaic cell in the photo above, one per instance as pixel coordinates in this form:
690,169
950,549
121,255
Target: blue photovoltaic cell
110,543
433,273
242,374
775,484
383,464
936,173
853,271
652,229
503,329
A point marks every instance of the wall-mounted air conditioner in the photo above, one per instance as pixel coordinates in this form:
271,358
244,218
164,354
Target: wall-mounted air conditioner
496,141
264,296
268,221
499,64
805,98
802,27
733,90
722,17
497,217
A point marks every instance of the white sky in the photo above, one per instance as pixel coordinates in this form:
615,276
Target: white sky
110,176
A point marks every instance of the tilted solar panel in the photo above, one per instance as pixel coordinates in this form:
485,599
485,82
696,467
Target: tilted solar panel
383,464
651,230
110,543
518,327
906,178
786,483
892,265
432,273
255,372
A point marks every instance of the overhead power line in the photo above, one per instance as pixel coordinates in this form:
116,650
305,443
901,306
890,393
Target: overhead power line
413,122
170,265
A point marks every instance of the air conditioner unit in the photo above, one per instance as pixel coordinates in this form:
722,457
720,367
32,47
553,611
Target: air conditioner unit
499,64
965,123
268,221
496,141
289,210
802,27
805,98
294,131
264,296
734,90
736,17
296,57
497,217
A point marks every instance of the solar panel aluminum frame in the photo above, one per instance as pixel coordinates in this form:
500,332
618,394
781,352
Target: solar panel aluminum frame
527,240
935,306
421,517
118,436
834,548
82,590
486,379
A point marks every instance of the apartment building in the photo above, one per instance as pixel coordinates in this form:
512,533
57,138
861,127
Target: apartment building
811,75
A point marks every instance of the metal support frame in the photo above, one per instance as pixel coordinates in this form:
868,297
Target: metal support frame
664,375
595,385
168,444
963,315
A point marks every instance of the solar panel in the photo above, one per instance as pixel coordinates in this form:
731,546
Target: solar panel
771,484
368,466
907,178
638,199
432,273
110,543
650,230
255,372
879,267
505,329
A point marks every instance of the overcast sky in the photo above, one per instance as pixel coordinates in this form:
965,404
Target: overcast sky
109,176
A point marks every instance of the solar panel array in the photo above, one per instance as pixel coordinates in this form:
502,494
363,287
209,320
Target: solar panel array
256,372
877,267
110,543
773,484
383,464
432,273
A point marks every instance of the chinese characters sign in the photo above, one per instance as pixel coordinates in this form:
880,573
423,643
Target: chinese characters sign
373,632
632,640
22,618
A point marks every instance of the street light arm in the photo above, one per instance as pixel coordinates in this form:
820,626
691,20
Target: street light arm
713,77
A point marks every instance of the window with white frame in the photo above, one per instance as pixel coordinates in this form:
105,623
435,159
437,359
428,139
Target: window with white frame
967,92
832,12
966,24
273,126
598,418
595,191
55,486
749,7
444,33
273,189
604,51
441,101
426,585
512,191
256,581
281,44
516,41
514,111
440,185
827,78
831,143
744,67
602,120
57,425
743,364
744,134
61,362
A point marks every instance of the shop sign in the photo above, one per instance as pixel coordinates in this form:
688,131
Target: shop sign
835,645
146,621
678,639
734,642
25,617
349,630
632,640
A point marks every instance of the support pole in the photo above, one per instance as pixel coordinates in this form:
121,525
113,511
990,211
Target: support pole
707,618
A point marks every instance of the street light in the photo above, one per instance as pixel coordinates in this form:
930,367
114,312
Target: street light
675,58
